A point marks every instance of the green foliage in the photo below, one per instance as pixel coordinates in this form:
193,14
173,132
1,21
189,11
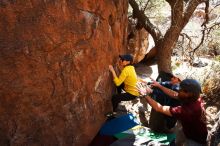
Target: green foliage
217,58
174,67
175,64
216,32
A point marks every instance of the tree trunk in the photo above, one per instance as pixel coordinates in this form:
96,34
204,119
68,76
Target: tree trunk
165,47
164,57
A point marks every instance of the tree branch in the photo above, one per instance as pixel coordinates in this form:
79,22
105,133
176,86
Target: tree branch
146,5
201,42
188,37
205,27
153,30
214,8
177,13
190,8
206,13
211,27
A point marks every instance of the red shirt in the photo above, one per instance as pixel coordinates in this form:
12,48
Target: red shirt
192,117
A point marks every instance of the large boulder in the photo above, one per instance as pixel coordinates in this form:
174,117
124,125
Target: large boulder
138,41
54,81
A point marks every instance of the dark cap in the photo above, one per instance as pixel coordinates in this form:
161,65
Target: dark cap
126,57
191,86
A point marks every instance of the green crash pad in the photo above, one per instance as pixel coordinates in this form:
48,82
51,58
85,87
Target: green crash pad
144,132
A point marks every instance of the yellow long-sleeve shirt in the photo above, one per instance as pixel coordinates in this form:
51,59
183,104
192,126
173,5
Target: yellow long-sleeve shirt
129,77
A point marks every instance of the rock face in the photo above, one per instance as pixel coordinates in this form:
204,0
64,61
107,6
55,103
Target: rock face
54,81
138,42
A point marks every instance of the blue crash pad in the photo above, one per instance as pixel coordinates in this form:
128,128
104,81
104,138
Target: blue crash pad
118,124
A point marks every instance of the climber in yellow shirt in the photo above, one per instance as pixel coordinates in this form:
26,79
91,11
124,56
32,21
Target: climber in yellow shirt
127,81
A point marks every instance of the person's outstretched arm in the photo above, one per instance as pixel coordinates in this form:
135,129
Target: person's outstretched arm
166,90
158,107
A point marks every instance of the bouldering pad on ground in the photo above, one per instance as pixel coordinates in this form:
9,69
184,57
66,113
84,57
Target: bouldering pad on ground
141,134
118,124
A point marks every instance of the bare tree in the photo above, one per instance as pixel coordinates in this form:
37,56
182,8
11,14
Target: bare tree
181,12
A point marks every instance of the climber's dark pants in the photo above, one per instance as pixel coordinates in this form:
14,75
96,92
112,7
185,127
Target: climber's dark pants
117,98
